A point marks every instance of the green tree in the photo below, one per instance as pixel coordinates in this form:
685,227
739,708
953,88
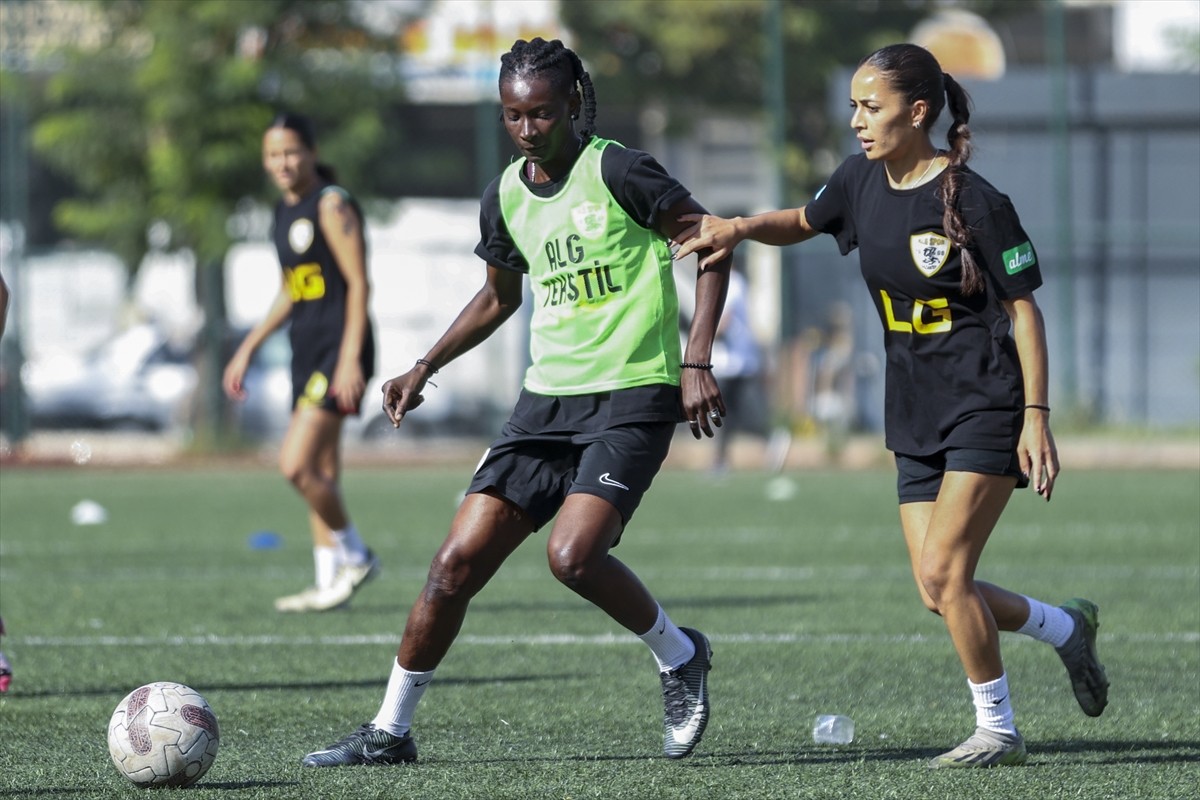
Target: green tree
161,120
158,121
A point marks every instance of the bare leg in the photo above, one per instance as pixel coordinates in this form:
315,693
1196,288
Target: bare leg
1008,608
310,460
945,554
486,530
578,551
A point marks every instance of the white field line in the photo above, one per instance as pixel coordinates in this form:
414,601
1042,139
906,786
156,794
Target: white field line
753,574
602,640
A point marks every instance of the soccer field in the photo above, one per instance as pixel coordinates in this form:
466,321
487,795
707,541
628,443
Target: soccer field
808,602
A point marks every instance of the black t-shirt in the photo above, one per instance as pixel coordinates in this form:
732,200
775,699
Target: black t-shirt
953,376
644,190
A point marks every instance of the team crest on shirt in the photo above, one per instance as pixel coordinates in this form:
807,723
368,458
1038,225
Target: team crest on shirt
300,235
590,219
929,251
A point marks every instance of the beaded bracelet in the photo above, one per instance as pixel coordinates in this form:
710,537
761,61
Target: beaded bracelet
695,365
1038,407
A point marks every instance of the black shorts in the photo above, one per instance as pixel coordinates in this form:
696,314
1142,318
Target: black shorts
312,370
536,471
919,478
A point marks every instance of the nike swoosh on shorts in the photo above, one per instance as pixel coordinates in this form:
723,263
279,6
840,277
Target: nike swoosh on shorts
607,480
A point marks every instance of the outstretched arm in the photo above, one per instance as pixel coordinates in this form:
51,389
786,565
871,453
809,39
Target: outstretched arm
494,303
719,235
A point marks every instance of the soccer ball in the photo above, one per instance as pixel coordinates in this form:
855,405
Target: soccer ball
163,734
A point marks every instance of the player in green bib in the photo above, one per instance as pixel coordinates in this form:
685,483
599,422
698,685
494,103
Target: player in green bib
605,313
589,222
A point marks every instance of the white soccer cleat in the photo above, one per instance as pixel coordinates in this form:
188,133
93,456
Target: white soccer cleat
985,748
352,577
314,599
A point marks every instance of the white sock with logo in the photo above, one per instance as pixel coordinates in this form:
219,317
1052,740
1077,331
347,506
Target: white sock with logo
993,708
351,549
1048,624
404,691
325,563
672,647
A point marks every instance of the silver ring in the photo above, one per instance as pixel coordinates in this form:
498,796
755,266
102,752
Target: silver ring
694,423
714,414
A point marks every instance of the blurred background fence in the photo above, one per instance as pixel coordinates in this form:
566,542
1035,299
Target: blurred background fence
134,215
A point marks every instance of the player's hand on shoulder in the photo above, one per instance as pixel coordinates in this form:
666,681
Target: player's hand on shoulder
715,234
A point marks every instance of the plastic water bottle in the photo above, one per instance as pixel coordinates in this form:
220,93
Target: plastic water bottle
833,729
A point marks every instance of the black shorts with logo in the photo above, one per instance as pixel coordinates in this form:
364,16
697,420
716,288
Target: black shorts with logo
919,478
576,446
312,370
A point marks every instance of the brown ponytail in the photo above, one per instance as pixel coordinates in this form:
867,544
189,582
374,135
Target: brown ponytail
950,183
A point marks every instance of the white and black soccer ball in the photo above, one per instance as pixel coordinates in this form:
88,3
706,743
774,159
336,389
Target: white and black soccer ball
163,734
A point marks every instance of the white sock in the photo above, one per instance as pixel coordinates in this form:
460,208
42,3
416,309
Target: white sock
404,691
325,560
993,708
351,549
1048,624
672,647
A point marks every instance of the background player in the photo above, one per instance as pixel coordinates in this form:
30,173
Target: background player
318,234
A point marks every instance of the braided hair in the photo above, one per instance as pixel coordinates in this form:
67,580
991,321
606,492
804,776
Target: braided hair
914,73
560,64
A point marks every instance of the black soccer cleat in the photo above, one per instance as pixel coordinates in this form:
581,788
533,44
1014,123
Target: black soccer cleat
685,700
367,745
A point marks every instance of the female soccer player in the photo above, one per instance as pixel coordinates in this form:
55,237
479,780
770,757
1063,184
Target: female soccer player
319,238
952,275
589,222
